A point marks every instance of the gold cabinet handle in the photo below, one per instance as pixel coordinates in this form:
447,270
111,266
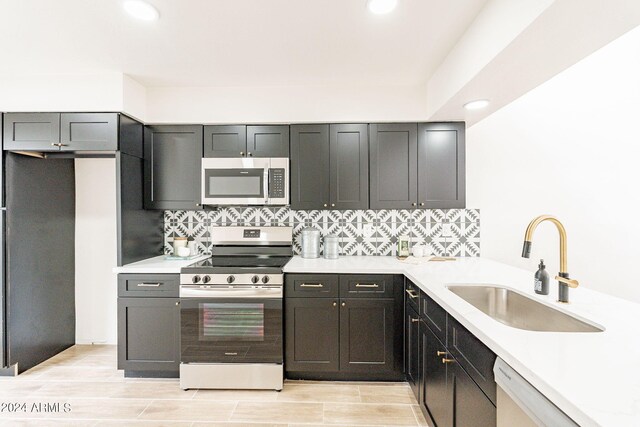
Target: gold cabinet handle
343,304
414,320
230,354
411,293
366,285
441,353
312,285
572,283
444,360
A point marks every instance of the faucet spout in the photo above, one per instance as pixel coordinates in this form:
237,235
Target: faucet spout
563,276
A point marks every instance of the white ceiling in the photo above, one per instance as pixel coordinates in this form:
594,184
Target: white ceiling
235,42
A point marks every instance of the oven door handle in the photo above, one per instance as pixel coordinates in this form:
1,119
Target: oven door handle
230,292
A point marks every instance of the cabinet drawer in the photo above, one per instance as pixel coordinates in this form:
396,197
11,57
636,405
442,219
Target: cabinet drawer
311,285
476,358
434,316
412,295
366,286
148,285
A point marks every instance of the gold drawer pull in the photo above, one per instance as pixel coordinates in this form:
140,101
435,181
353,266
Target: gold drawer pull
448,360
411,293
441,353
231,354
414,320
366,285
149,285
312,285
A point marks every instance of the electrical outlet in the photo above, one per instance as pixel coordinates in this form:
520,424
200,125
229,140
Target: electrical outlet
367,230
446,229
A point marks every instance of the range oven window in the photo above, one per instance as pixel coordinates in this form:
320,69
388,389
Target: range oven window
234,183
231,321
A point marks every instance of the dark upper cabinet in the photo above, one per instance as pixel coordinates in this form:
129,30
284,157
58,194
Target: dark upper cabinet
31,131
367,335
312,338
246,141
349,166
225,141
268,141
74,132
310,166
393,165
149,336
173,157
89,131
441,165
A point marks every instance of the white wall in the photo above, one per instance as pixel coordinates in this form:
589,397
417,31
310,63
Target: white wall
96,290
571,148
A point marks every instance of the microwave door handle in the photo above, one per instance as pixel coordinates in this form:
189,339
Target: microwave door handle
267,185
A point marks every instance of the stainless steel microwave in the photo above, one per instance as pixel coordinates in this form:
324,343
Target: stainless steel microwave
245,181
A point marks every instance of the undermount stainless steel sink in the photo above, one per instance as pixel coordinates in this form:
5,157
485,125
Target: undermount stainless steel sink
519,311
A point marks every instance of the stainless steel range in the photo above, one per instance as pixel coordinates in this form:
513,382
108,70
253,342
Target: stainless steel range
231,311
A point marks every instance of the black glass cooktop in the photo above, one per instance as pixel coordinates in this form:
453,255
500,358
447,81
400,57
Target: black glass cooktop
241,262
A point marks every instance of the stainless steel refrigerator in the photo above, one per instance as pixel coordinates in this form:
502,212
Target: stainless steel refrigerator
37,244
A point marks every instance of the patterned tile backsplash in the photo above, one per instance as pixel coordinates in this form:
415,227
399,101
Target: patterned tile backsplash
452,232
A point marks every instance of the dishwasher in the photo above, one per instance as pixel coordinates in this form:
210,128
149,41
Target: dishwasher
520,404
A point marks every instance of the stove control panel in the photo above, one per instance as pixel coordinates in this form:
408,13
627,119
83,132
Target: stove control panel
232,279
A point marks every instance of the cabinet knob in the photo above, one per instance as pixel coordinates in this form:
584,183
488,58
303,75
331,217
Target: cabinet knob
343,304
242,153
335,303
333,205
325,205
414,204
177,302
422,204
197,204
249,153
448,360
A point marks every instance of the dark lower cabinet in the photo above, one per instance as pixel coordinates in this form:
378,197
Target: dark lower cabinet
412,349
332,338
447,394
312,334
149,336
366,335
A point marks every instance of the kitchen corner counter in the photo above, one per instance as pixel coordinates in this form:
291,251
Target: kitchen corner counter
592,377
157,265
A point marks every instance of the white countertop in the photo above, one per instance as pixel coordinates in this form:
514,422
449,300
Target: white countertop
157,265
593,377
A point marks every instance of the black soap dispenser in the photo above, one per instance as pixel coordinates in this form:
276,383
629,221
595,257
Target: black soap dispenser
541,280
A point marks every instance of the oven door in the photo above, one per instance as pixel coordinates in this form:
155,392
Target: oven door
235,181
227,329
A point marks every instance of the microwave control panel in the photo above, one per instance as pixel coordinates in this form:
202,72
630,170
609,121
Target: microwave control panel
276,183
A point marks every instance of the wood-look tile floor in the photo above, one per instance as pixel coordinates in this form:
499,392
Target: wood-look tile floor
85,377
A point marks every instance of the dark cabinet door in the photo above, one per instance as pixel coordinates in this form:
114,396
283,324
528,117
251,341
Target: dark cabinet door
412,349
312,340
268,141
225,141
393,165
441,165
173,157
31,131
149,334
434,396
470,406
89,131
349,166
310,166
367,335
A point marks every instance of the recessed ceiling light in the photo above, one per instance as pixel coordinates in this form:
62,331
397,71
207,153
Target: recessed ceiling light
478,104
380,7
141,10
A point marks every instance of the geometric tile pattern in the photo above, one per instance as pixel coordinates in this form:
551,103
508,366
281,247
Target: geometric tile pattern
445,232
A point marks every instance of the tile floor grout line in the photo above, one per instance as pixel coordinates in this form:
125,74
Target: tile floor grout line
145,408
